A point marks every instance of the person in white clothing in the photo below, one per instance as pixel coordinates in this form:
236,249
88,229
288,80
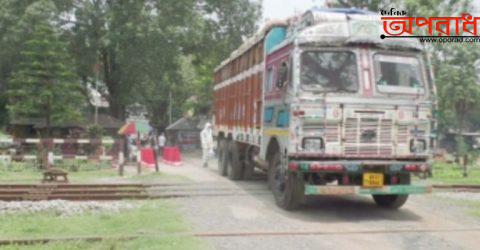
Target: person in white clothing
161,142
206,137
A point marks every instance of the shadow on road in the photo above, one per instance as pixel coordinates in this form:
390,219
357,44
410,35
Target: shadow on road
351,209
329,208
326,209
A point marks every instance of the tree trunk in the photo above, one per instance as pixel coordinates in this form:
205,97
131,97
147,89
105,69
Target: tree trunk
159,115
47,146
47,127
48,116
117,109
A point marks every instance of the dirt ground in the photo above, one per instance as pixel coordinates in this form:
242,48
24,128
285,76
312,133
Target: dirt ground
251,220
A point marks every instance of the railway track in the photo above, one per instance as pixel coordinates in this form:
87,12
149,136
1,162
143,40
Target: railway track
34,241
458,188
32,192
71,192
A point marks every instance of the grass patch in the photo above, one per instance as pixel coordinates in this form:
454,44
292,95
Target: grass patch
3,135
152,218
445,173
82,172
30,174
153,243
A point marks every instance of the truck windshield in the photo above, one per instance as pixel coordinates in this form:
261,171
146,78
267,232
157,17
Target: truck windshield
398,74
332,71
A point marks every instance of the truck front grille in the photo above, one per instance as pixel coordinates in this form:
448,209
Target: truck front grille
402,134
368,136
332,133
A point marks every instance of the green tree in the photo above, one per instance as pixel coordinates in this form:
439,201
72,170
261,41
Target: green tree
221,28
138,51
147,49
43,84
14,30
373,5
135,43
455,74
458,93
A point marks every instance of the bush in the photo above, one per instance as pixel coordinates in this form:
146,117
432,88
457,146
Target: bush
15,166
95,131
3,165
82,165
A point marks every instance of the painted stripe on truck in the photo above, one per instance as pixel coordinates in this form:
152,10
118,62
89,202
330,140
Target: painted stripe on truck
349,190
271,132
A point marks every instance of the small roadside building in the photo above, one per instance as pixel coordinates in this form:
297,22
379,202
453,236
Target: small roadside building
185,133
448,142
33,127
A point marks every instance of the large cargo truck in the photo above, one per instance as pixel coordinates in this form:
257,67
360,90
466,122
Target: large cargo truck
325,106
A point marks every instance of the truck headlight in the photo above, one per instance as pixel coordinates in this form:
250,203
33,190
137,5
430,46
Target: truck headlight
312,144
418,145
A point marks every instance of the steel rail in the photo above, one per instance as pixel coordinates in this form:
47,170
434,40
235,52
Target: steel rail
252,233
35,192
18,192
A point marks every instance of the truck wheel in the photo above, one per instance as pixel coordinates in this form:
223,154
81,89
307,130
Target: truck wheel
222,157
271,173
248,171
393,201
288,187
249,165
390,201
235,162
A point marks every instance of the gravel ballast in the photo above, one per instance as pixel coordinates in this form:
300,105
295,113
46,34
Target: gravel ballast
64,208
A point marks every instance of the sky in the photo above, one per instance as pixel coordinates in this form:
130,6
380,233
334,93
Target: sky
279,9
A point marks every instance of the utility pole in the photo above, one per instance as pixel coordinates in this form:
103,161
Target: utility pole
169,107
465,165
96,90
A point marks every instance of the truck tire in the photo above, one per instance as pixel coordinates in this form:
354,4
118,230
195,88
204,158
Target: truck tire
390,201
249,164
271,173
222,157
393,201
248,171
288,187
235,162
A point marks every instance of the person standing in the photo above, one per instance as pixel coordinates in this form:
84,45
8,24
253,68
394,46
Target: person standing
206,137
161,142
132,147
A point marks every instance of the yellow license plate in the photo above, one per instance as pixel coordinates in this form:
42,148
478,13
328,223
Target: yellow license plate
372,180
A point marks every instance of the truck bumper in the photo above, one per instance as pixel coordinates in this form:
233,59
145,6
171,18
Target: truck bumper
353,166
358,190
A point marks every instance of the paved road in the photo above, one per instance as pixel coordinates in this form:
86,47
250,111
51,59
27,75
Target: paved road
425,222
